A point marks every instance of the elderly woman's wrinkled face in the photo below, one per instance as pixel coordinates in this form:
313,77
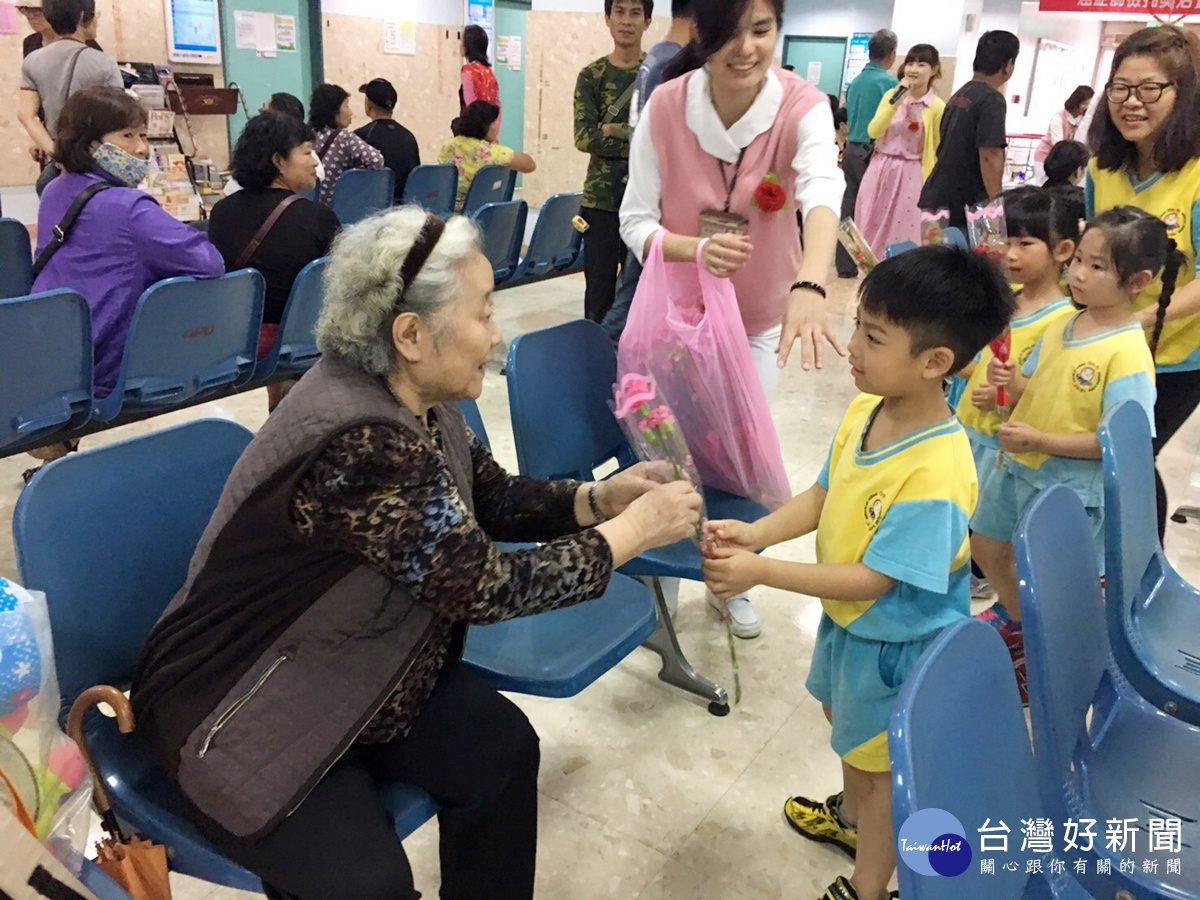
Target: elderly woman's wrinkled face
467,335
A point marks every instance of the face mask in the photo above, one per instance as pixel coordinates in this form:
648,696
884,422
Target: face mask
125,167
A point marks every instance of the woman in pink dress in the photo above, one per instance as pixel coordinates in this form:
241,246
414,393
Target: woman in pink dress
907,129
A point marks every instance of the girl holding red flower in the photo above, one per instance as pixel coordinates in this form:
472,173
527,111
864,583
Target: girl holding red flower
908,130
727,150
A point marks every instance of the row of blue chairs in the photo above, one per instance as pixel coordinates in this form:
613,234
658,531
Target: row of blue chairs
1110,679
192,340
363,192
954,237
189,340
98,533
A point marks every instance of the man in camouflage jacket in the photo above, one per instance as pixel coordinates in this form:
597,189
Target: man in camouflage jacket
603,94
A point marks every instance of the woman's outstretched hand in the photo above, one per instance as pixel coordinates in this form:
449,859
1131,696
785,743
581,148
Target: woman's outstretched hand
615,494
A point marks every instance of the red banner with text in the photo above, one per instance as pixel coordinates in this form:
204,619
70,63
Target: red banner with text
1151,7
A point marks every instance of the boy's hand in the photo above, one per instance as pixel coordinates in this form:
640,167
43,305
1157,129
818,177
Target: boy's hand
729,533
729,572
1019,437
983,398
1000,374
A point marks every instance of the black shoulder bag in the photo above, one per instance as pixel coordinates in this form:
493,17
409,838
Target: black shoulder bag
63,229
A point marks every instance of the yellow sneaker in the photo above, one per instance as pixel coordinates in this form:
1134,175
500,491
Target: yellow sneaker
820,822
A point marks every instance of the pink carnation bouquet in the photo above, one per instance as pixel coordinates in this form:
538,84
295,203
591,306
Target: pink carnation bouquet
988,231
655,435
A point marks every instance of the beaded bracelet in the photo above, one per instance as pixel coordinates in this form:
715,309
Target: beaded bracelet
593,504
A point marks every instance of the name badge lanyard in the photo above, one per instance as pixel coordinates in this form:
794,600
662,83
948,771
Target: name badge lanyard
731,186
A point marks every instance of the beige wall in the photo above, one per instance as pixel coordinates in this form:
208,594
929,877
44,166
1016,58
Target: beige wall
133,30
557,46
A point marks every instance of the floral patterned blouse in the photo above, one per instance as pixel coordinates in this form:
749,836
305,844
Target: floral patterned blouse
388,498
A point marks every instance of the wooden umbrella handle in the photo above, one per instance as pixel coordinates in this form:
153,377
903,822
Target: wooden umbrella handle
93,696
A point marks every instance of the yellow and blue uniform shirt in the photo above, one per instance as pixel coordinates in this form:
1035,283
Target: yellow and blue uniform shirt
982,426
901,509
1073,382
1175,198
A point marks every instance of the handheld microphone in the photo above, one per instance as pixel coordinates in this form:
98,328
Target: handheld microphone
900,92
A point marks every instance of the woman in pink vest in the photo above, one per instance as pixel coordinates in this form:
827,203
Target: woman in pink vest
742,145
1063,126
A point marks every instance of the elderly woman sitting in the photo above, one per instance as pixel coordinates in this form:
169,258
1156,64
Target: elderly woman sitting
314,649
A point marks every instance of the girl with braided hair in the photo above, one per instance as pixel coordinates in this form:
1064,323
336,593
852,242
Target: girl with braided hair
1081,368
1146,136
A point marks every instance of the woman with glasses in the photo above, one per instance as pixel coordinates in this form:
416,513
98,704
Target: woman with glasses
1146,137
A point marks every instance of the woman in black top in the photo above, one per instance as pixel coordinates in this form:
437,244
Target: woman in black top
272,161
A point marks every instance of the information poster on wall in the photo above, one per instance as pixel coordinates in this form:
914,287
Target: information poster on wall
285,33
813,73
400,37
508,51
256,31
858,56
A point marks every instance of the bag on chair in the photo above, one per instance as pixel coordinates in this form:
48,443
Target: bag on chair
685,331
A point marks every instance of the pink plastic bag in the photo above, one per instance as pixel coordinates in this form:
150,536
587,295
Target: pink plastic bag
685,331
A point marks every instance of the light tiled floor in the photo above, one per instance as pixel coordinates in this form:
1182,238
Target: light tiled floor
643,793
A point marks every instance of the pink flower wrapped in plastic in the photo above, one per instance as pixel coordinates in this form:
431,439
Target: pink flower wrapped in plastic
856,245
651,426
988,231
934,225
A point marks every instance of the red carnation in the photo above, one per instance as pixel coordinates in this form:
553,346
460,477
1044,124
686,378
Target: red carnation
770,197
914,126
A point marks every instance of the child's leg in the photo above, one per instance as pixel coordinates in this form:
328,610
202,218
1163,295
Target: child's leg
1000,568
868,802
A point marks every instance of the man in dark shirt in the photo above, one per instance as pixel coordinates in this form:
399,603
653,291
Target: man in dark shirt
385,134
970,159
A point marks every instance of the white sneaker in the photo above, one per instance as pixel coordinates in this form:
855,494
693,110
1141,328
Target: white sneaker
744,620
981,588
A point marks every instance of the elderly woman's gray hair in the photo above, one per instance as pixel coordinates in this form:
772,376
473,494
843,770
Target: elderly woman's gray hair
362,284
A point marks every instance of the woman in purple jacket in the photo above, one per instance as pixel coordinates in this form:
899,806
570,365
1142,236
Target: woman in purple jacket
123,241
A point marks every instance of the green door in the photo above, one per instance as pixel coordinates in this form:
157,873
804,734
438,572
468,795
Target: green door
508,58
823,57
259,76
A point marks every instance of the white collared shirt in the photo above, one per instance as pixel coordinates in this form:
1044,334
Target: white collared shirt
819,181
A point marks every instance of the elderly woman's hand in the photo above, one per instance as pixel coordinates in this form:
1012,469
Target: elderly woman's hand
615,494
666,514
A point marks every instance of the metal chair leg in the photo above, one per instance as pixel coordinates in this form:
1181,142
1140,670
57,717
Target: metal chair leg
1183,513
676,670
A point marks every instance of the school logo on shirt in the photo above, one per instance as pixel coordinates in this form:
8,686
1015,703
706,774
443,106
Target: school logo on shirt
1086,377
1024,355
1174,219
873,511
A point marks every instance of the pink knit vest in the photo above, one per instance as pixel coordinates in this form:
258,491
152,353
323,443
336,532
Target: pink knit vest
691,183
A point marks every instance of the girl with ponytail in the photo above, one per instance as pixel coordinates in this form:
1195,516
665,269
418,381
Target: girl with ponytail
1083,365
1147,141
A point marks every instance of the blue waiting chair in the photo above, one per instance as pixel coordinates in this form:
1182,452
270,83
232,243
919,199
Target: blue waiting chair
45,367
16,259
359,193
559,389
188,338
554,244
434,188
1101,752
940,744
896,249
956,238
560,652
502,226
295,350
1153,614
108,535
491,184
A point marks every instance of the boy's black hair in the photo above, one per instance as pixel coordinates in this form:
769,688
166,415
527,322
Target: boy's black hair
681,9
942,296
1064,160
1049,215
